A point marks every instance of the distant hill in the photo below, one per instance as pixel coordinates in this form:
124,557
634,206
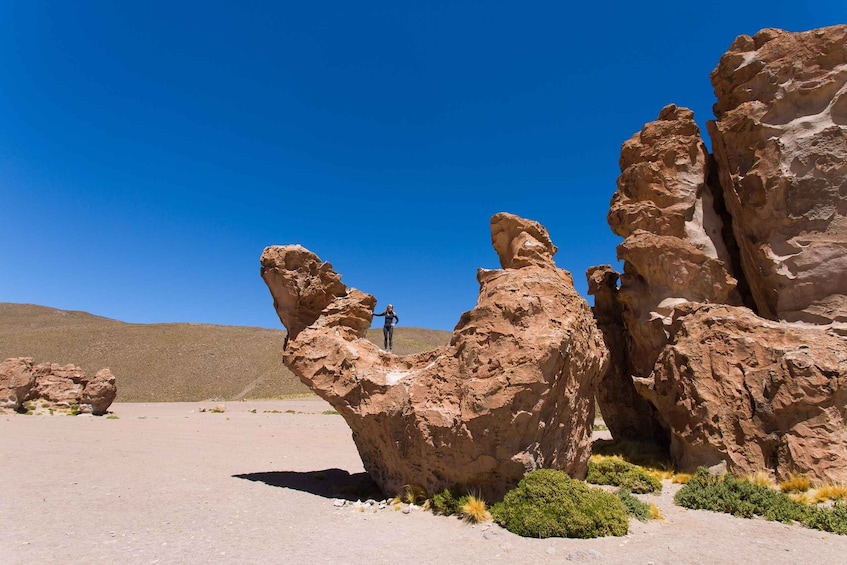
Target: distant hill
170,362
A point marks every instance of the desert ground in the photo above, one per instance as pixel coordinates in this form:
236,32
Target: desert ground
261,483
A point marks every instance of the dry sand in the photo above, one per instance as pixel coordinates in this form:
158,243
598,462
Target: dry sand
167,483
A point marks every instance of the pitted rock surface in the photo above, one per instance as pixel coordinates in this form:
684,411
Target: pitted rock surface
55,386
759,228
511,392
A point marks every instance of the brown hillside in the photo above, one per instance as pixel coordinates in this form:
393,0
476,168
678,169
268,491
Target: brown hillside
170,362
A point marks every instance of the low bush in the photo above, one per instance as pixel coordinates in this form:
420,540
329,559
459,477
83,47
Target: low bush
737,497
548,503
747,499
617,472
832,519
634,507
445,503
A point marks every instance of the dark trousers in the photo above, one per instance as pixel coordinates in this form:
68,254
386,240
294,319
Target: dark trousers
388,334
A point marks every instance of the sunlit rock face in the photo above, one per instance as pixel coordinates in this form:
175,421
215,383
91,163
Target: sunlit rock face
731,314
511,392
50,385
780,141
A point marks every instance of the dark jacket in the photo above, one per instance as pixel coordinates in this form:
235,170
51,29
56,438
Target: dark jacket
390,319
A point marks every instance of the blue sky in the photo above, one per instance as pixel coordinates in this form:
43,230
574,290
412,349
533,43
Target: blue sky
149,151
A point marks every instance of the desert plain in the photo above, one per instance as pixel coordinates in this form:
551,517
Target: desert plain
260,483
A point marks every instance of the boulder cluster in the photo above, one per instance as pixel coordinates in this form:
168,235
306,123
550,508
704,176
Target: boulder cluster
53,386
730,316
723,340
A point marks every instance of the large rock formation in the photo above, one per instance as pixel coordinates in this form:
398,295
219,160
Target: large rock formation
512,392
780,140
760,227
756,394
55,386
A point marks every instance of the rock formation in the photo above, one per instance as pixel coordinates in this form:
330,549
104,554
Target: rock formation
780,140
54,386
757,394
759,228
511,392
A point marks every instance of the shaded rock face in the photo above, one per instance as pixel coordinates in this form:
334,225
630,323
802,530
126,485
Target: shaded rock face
627,415
511,392
54,385
759,227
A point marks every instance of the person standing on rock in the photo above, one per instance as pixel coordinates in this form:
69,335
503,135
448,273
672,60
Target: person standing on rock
391,320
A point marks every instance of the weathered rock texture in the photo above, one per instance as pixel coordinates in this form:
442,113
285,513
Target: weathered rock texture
756,394
55,386
780,140
761,228
511,392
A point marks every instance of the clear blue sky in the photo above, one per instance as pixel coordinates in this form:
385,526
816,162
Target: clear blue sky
149,151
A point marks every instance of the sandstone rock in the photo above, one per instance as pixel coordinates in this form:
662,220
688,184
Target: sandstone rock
55,386
754,393
674,250
99,393
513,390
761,223
16,382
59,385
627,415
780,140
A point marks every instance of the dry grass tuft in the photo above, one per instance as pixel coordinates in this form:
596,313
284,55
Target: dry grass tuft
475,510
802,497
413,494
830,491
760,478
655,513
795,484
681,478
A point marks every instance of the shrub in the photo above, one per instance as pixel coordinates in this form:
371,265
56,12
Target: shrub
617,472
634,507
548,503
832,519
737,497
445,503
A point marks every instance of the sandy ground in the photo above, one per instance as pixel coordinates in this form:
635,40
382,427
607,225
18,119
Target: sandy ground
167,483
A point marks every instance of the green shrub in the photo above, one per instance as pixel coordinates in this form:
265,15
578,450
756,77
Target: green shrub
548,503
445,503
617,472
634,507
737,497
833,519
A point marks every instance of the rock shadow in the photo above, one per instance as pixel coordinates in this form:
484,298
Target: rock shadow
328,483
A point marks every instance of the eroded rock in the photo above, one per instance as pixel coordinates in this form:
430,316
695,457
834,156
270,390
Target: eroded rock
511,392
754,393
780,141
733,300
55,386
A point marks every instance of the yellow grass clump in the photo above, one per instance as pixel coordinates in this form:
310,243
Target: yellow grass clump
795,484
830,491
655,513
475,510
760,478
802,497
681,478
